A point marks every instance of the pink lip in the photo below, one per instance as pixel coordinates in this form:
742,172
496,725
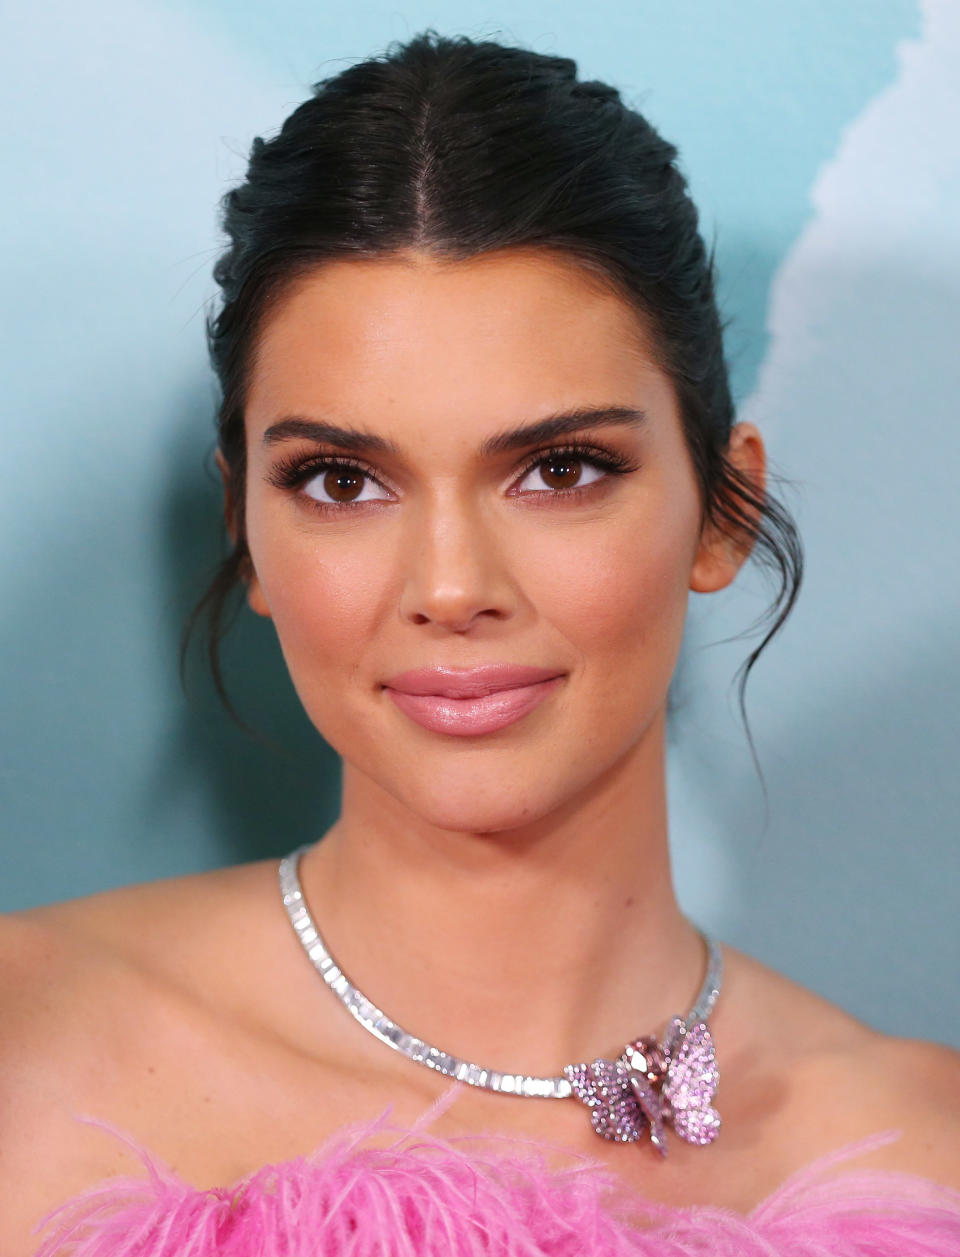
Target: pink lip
468,682
468,701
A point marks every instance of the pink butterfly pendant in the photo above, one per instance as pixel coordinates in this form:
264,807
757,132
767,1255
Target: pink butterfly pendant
651,1083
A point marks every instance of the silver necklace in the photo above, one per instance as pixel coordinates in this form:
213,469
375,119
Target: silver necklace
653,1081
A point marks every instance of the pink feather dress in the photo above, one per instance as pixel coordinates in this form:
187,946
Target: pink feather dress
374,1189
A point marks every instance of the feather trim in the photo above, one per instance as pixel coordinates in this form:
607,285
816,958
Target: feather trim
419,1195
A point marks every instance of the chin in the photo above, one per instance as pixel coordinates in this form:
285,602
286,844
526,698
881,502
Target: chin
481,807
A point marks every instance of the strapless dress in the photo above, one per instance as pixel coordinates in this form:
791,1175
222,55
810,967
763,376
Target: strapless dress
376,1189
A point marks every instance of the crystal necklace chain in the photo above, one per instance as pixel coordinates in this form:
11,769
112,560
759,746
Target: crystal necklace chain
651,1082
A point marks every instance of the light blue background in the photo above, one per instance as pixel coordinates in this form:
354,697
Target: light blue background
127,121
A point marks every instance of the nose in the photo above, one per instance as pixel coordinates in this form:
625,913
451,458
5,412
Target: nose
454,567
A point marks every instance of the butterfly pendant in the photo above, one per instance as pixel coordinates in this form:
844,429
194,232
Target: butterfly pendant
651,1083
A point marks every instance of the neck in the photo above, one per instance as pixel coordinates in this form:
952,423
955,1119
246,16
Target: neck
552,942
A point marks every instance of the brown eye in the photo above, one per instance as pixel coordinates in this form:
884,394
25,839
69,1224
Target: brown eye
339,484
343,486
561,472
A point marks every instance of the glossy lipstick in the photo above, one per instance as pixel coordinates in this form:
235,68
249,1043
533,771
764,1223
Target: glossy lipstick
470,701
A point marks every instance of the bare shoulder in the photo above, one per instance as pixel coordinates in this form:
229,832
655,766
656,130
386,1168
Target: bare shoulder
53,992
127,919
62,965
832,1079
911,1086
96,1001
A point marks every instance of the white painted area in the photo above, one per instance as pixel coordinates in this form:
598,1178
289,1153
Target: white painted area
853,708
888,199
858,394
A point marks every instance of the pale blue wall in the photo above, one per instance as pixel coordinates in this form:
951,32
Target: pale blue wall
820,143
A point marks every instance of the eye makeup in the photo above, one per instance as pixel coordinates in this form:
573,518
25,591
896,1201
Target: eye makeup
292,471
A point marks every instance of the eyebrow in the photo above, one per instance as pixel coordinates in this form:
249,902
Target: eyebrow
356,440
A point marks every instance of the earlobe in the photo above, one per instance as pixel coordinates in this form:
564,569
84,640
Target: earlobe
719,556
255,598
716,564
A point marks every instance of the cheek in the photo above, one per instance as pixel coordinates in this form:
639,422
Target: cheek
323,598
320,611
607,595
619,598
620,593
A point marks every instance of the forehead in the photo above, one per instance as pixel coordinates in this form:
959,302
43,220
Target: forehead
518,329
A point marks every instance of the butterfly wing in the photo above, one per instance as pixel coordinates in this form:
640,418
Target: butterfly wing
604,1086
651,1105
690,1085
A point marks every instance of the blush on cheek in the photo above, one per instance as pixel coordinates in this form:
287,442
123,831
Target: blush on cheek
331,591
618,590
320,614
624,612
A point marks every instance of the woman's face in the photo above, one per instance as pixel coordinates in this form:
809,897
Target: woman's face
430,550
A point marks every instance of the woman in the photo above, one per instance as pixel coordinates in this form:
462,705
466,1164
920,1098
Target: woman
477,446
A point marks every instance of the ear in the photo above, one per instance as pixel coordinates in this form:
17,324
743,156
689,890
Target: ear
720,556
229,506
254,592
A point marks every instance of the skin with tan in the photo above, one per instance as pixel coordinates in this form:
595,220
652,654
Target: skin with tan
507,896
534,859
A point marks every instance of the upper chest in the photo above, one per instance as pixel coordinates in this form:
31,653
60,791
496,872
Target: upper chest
218,1083
217,1099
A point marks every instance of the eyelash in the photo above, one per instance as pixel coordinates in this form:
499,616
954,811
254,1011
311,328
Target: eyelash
294,471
